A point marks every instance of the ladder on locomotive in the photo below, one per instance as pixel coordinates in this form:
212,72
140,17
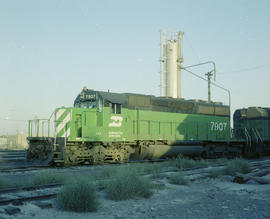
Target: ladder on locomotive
58,150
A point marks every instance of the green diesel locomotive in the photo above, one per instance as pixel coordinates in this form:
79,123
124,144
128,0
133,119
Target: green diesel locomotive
105,127
253,124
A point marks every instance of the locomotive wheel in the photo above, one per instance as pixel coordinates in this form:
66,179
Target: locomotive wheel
120,158
122,155
72,159
98,155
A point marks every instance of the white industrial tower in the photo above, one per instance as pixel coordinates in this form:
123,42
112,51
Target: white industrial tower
170,63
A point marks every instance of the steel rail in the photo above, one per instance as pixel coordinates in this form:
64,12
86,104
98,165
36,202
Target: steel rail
30,198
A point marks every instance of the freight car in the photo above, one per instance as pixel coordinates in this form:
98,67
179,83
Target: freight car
105,127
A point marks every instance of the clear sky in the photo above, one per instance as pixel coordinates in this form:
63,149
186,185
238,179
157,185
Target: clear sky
50,49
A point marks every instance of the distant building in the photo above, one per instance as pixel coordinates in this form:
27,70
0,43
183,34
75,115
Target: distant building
13,142
3,142
21,140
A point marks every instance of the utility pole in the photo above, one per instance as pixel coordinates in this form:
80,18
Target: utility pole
209,75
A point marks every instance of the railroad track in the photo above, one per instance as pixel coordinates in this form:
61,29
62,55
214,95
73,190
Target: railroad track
28,166
12,151
15,161
45,192
30,193
260,163
12,155
24,167
14,169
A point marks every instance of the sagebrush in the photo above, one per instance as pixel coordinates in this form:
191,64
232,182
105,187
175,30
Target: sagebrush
106,173
179,179
78,196
183,163
128,184
237,166
215,173
47,177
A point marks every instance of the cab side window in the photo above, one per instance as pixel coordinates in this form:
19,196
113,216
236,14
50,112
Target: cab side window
115,108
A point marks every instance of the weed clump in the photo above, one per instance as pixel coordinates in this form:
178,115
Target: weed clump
237,166
221,161
179,179
183,163
156,171
106,173
128,184
215,173
47,177
78,196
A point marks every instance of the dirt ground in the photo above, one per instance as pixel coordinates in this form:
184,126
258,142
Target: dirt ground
207,198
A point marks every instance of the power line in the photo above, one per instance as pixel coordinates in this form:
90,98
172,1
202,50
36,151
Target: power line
215,84
13,120
246,69
192,49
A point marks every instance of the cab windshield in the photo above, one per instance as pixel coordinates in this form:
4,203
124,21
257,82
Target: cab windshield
88,104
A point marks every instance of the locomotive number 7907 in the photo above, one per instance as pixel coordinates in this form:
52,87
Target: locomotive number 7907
218,126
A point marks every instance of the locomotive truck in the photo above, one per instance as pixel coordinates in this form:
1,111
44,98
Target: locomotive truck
106,127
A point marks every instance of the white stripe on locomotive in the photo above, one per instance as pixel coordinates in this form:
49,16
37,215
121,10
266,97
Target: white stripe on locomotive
59,113
63,123
66,134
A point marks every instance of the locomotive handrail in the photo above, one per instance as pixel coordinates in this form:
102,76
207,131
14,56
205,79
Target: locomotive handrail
248,138
34,127
255,134
232,133
259,136
52,115
35,124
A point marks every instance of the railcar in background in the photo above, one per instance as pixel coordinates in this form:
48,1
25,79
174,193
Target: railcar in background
253,124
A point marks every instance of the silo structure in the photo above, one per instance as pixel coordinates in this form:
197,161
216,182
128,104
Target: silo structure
171,59
170,68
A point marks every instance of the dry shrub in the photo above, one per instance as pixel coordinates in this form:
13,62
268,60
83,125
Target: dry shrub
107,172
179,179
237,166
128,184
156,171
78,196
221,161
47,177
183,163
216,173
